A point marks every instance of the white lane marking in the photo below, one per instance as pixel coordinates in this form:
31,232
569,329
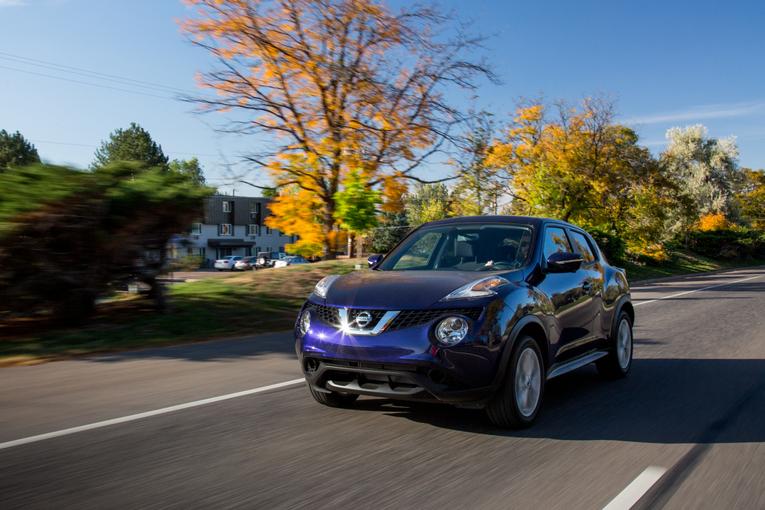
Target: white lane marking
635,490
147,414
696,290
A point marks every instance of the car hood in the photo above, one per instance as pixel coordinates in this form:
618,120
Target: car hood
400,290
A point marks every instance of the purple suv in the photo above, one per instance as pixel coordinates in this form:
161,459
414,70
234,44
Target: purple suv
476,312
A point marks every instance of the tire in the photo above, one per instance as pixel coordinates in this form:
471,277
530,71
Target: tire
617,363
509,408
333,399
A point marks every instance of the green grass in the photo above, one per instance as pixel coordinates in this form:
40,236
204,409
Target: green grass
239,304
681,263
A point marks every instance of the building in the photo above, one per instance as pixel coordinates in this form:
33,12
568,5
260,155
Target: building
232,226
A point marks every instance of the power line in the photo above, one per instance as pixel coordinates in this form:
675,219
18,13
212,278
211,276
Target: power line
85,82
37,140
89,73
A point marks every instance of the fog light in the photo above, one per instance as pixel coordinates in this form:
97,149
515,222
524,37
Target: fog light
451,331
304,324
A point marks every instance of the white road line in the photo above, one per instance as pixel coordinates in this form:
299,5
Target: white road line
634,491
147,414
696,290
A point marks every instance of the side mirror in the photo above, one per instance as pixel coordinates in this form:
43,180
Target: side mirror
373,260
564,262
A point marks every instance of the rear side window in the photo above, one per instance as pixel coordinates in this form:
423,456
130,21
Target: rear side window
555,241
582,247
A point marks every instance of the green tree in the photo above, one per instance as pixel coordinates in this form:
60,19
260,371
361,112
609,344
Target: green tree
394,225
131,144
750,197
15,150
189,167
66,234
356,206
428,202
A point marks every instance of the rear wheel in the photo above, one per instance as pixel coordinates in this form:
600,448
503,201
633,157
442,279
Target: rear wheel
518,400
333,399
619,359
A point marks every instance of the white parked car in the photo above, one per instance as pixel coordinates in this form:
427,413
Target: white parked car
227,263
290,260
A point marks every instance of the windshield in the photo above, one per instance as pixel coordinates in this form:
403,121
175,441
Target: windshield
462,248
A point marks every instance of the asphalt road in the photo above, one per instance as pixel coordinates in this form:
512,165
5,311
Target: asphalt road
686,429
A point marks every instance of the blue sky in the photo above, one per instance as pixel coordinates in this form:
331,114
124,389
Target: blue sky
665,63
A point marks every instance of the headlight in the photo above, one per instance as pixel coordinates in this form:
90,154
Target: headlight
324,284
304,324
479,288
451,331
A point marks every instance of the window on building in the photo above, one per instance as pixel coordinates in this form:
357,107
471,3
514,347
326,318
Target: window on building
226,206
268,230
255,212
253,230
196,229
225,229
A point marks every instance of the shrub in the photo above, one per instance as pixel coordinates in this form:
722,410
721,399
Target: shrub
730,243
612,246
713,221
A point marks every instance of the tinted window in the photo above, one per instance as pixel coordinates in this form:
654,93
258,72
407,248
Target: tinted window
462,248
582,247
555,241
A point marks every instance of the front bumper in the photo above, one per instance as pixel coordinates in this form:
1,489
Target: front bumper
401,364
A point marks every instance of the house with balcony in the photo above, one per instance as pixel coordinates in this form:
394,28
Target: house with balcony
232,225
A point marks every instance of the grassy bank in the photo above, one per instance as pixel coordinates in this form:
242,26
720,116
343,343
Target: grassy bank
239,304
681,263
236,304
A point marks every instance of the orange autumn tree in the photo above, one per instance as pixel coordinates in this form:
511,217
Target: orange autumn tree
338,85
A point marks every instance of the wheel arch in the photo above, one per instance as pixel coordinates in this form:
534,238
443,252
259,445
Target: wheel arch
529,325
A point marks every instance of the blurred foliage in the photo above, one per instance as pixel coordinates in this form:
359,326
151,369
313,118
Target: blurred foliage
16,151
186,263
131,144
67,235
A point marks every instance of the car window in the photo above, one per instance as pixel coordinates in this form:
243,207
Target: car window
582,247
462,248
555,241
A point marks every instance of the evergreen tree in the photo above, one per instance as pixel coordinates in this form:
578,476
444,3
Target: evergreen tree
131,144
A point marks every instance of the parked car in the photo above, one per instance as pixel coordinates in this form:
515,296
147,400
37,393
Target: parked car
245,263
290,260
227,263
477,312
263,260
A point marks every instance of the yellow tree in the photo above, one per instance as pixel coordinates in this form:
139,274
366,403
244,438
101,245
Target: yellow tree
579,165
340,84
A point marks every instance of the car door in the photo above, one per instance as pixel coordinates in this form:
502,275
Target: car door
572,304
592,279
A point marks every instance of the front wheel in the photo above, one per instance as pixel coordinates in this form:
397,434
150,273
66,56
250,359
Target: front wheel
518,400
619,359
333,399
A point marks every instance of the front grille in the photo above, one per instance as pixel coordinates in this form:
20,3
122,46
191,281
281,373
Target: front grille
405,318
326,314
410,318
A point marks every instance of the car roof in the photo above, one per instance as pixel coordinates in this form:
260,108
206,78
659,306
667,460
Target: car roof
534,221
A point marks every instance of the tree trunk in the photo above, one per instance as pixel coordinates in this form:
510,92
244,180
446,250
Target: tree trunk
359,245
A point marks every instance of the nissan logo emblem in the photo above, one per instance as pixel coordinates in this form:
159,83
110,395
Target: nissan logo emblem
363,319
